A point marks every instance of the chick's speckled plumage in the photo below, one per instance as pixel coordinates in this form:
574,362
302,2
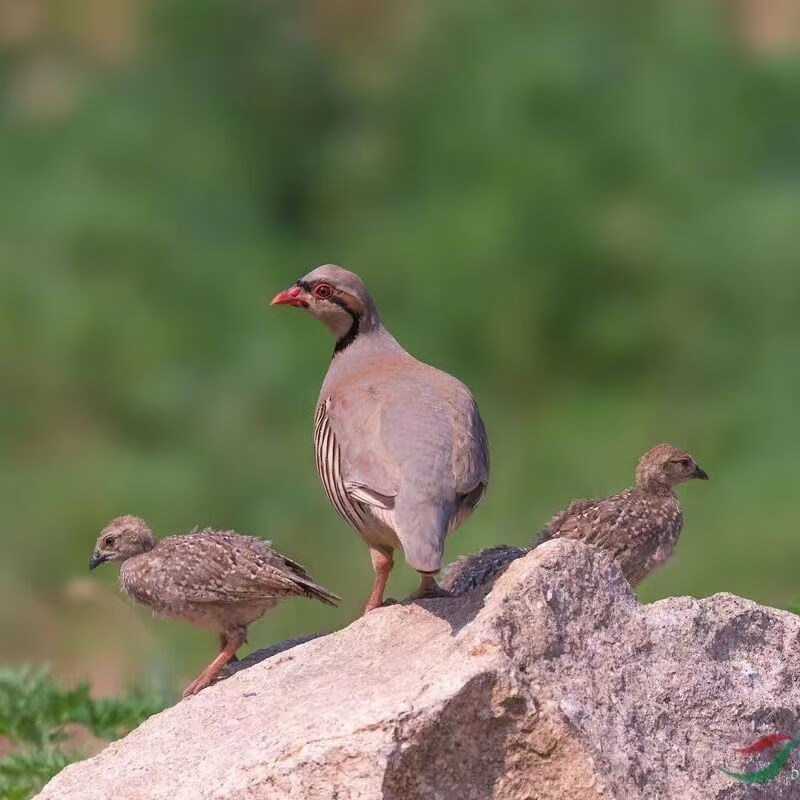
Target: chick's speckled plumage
215,579
639,529
639,526
469,571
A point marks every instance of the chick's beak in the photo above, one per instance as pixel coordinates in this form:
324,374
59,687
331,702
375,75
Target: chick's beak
290,297
96,560
699,473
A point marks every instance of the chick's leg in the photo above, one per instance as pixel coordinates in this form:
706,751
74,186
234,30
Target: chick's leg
234,640
223,643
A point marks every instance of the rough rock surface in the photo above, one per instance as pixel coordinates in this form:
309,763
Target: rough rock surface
556,685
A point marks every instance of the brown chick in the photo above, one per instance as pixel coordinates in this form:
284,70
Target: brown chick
475,569
214,579
639,526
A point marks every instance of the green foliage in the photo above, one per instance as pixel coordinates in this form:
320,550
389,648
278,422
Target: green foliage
35,713
23,774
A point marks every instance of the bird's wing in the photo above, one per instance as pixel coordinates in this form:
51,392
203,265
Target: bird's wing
404,422
471,449
611,523
566,519
224,567
349,424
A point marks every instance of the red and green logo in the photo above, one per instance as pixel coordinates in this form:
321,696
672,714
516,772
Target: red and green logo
779,745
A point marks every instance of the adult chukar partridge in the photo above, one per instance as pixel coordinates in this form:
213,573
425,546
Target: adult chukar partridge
400,446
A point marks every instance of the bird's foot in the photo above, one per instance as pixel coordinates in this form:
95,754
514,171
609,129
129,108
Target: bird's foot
431,594
374,604
197,685
429,590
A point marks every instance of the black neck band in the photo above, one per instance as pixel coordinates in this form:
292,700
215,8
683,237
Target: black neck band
351,334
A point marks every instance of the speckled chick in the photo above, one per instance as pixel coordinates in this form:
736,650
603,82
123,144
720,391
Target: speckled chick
639,527
469,571
214,579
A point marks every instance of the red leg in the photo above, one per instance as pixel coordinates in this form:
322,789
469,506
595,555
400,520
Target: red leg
382,564
233,641
223,643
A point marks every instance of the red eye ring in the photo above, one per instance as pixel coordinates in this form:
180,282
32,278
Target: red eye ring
323,291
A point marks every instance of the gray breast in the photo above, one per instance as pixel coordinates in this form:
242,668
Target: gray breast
329,463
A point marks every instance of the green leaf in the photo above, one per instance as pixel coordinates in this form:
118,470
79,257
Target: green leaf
34,712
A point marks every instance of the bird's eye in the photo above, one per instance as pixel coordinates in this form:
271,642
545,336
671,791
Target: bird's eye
323,291
685,462
109,541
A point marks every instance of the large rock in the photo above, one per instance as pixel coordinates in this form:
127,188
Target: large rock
557,685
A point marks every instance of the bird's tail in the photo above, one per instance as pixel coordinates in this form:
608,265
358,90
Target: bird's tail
422,530
311,589
307,584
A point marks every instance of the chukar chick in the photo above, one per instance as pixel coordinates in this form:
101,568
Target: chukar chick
639,526
214,579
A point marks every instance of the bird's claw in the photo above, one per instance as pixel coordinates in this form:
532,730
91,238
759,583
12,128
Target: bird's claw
193,688
431,593
388,601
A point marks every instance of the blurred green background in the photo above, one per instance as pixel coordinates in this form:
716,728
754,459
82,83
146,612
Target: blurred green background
588,211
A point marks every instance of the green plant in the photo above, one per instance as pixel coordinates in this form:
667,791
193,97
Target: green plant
40,719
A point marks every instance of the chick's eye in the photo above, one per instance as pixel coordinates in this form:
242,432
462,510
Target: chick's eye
323,291
684,462
109,541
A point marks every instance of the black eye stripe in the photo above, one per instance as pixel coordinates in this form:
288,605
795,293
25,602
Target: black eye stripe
342,304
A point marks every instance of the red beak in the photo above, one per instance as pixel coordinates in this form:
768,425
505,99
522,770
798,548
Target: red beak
289,297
